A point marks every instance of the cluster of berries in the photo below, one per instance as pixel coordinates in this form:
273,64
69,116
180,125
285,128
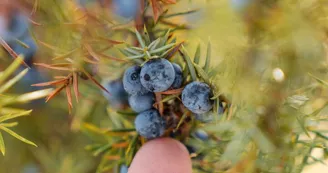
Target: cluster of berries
156,75
137,89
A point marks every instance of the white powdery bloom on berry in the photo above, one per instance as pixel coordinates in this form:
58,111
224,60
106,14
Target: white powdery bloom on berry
141,102
157,75
118,97
131,81
150,124
196,97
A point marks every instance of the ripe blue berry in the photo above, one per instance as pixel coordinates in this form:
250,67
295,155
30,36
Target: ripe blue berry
157,75
124,169
126,8
131,81
18,27
178,76
27,52
150,124
141,102
196,97
201,134
118,97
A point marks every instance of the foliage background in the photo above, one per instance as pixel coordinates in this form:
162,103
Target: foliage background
298,25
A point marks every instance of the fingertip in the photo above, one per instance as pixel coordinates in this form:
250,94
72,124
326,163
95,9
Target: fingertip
162,155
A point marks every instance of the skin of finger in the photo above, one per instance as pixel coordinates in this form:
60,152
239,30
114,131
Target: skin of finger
163,155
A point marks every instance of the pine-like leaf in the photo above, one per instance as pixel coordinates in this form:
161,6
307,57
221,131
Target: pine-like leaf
14,115
11,69
197,55
140,40
208,57
2,145
12,81
12,133
189,64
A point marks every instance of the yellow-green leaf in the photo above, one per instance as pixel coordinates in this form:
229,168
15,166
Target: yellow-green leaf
9,124
33,95
189,64
17,136
2,145
11,69
153,45
208,57
102,149
181,13
11,116
131,148
12,81
165,38
202,73
319,80
184,116
92,128
140,40
197,55
147,38
163,48
216,95
6,110
22,44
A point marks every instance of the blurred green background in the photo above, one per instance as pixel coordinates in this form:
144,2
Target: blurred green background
61,140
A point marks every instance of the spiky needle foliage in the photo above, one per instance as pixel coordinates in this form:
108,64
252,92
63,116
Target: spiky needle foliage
8,113
269,87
